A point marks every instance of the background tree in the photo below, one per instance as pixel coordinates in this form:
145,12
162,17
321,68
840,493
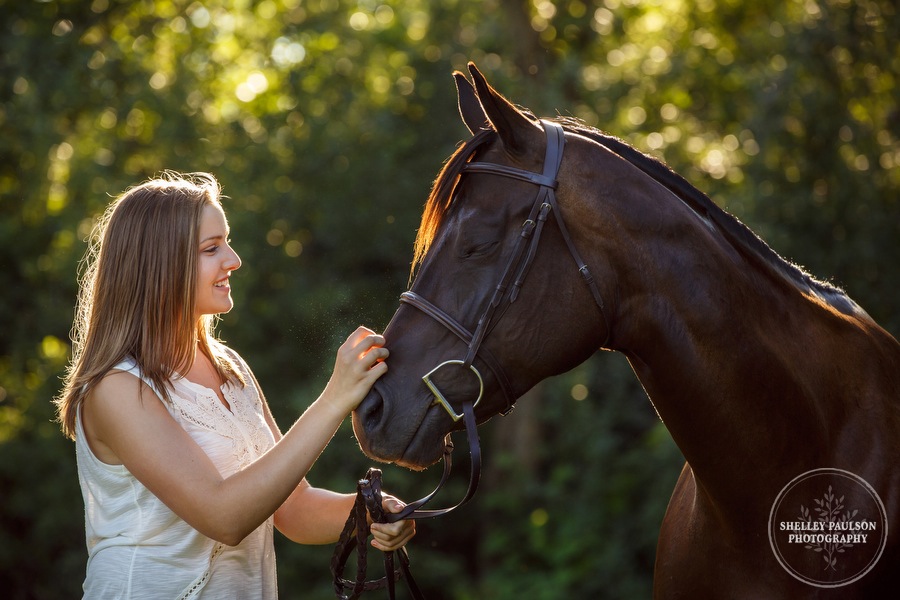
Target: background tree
326,121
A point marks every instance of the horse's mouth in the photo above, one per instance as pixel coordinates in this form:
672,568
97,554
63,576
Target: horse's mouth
411,440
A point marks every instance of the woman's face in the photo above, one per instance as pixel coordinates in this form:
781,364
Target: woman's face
216,262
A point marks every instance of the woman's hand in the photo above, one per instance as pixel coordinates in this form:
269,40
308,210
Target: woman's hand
392,536
359,363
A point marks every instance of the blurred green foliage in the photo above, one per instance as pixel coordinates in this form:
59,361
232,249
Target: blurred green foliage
326,121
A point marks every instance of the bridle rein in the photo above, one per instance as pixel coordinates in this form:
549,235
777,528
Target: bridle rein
508,288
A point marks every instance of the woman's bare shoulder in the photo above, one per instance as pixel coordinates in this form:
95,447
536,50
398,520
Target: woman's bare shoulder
117,402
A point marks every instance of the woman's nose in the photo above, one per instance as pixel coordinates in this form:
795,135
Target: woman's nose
234,261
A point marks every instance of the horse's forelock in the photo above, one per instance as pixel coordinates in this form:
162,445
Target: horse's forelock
441,196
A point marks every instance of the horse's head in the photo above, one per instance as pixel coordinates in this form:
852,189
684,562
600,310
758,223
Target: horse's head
480,232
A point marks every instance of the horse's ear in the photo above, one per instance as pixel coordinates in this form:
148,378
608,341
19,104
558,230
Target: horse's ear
469,107
517,132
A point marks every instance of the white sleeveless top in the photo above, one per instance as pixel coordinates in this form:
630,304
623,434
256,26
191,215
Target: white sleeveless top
138,548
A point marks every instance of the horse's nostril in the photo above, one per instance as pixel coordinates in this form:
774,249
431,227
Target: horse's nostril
372,407
370,412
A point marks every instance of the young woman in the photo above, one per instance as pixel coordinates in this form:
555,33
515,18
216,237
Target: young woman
182,468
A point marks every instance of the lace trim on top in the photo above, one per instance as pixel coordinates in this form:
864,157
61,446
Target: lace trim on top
244,424
198,584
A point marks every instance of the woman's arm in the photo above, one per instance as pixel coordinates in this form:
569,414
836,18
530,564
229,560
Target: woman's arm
313,515
316,516
123,416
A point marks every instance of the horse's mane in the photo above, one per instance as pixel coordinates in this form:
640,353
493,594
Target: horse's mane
741,237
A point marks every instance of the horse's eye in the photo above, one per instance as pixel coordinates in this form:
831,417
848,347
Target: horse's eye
479,249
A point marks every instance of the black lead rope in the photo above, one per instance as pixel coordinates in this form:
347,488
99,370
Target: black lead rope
355,536
368,500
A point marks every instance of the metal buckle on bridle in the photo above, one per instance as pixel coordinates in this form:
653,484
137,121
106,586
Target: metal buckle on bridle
440,399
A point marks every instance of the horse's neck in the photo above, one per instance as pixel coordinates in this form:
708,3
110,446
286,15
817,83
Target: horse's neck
739,366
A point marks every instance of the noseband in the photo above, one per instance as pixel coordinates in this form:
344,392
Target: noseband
505,293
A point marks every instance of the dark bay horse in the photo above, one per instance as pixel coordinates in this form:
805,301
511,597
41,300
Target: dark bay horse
782,394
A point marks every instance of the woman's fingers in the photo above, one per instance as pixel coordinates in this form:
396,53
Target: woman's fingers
374,356
370,352
392,536
360,362
365,347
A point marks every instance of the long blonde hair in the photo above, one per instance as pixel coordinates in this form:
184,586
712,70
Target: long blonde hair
137,291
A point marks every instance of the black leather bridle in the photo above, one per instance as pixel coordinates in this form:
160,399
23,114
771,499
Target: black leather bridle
517,268
505,293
